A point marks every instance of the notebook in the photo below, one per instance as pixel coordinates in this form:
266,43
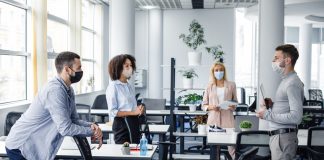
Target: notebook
253,119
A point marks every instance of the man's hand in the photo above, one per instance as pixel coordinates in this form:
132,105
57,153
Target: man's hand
261,112
97,134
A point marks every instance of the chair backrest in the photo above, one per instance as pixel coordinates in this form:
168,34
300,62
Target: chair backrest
84,147
249,154
315,142
252,138
100,102
154,104
11,119
315,94
242,108
83,116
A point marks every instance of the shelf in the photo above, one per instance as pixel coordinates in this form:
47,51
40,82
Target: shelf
184,89
185,66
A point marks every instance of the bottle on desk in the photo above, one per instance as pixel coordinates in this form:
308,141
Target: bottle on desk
143,145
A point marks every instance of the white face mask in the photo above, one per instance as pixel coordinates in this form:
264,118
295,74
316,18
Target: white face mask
276,67
219,75
127,72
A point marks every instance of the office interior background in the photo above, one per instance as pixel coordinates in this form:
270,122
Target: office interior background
33,32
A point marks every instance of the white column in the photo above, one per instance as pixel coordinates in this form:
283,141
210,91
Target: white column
39,36
271,29
122,27
303,65
155,45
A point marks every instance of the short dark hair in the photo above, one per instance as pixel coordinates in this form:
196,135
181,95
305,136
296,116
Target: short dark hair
65,58
289,51
116,65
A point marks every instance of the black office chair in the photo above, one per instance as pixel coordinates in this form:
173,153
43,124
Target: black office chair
246,143
154,104
11,119
315,94
84,147
315,144
83,116
100,103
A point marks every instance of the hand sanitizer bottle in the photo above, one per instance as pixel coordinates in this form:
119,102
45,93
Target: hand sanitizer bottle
143,145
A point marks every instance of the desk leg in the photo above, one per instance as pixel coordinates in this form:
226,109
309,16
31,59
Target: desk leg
181,137
214,152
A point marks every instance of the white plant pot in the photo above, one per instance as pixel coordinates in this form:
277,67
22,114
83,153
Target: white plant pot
202,129
187,82
194,58
192,108
245,129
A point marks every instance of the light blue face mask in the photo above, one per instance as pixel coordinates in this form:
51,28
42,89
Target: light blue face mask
219,75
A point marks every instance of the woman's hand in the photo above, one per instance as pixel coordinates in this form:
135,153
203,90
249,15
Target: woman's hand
232,108
213,108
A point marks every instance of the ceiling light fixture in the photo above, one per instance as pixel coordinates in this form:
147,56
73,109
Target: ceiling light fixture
150,7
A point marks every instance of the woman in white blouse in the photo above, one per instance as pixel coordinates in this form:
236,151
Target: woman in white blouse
121,100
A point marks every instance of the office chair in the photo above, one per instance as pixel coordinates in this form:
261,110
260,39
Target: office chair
315,144
84,147
164,149
246,143
100,103
154,104
315,94
83,116
11,119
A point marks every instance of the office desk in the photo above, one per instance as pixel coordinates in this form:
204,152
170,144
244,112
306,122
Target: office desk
229,138
107,151
161,130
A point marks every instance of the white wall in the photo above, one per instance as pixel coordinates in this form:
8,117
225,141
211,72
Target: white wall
219,27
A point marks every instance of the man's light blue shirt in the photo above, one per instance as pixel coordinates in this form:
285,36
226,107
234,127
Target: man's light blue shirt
120,97
39,132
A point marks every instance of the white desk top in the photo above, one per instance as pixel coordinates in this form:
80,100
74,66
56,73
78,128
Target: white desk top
158,129
106,151
229,137
312,107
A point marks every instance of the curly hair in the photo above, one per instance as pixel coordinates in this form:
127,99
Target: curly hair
115,67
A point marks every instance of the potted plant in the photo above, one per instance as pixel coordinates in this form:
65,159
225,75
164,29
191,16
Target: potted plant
201,123
192,99
188,76
307,118
193,40
245,125
217,53
125,148
90,83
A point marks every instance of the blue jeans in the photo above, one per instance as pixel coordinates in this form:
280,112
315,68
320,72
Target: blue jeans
14,154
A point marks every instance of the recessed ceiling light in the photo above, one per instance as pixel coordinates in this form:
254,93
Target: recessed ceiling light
315,18
150,7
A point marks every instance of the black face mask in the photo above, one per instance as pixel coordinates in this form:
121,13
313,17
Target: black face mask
77,77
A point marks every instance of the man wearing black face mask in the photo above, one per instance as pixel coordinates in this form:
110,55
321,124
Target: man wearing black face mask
52,115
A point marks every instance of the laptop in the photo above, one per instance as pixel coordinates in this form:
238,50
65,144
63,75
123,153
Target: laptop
253,119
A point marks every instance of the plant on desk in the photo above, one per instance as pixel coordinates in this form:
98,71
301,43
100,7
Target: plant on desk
245,125
188,75
201,123
192,99
305,123
125,149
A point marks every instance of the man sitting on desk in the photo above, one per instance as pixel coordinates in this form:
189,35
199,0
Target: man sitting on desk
39,133
287,110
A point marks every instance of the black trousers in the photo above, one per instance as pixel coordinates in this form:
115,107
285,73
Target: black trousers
126,129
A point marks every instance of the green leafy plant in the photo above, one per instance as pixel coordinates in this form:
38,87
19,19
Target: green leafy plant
126,144
217,52
246,124
195,38
189,73
191,98
306,118
90,81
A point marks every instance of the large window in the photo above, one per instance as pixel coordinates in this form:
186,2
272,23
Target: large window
57,32
90,37
13,54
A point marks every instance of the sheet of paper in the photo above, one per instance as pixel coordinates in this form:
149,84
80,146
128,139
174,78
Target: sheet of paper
226,104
